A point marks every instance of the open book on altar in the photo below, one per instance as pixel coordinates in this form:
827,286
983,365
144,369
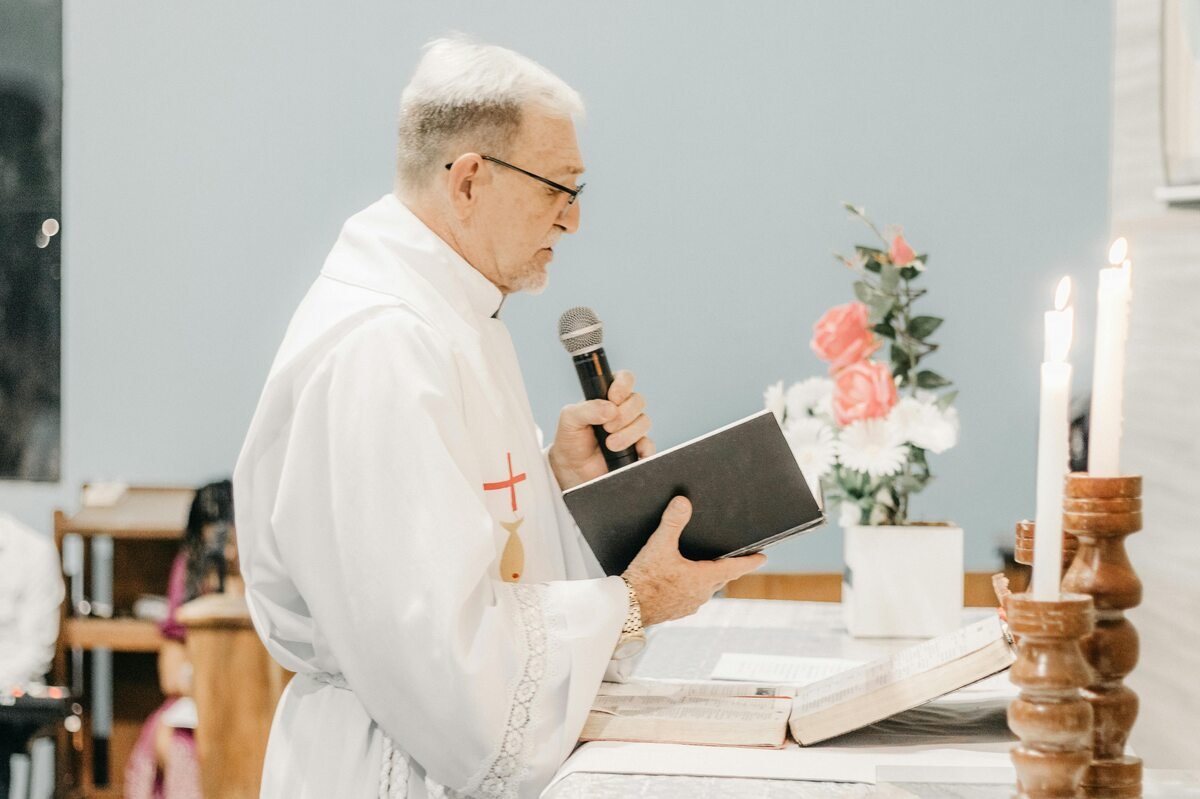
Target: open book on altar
753,715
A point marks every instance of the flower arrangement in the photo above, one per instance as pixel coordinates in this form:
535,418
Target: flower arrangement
864,432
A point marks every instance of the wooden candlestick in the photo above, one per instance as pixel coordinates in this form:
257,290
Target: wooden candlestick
1050,716
1101,512
1023,552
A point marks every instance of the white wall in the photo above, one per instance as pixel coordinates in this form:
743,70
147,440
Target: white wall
213,150
1162,430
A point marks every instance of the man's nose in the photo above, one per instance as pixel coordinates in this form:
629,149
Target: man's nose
568,218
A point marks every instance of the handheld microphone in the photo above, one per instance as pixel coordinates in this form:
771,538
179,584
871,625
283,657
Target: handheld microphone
581,333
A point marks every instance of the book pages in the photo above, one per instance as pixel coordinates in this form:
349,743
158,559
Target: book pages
912,677
705,721
779,668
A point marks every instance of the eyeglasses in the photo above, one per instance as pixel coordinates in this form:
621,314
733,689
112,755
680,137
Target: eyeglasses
572,194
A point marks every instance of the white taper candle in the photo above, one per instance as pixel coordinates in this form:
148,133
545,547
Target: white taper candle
1108,371
1053,446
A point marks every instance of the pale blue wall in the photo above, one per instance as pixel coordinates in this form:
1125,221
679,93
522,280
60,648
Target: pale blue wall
212,151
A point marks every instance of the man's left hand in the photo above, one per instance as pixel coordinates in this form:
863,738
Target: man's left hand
575,455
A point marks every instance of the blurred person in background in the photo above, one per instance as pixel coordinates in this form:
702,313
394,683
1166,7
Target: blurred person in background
31,594
163,763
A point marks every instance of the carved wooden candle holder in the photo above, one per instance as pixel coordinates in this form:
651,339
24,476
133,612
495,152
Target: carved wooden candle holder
1101,512
1051,717
1023,552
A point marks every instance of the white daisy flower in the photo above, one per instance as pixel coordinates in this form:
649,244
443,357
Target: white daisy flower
942,432
812,443
814,394
907,417
773,399
923,424
872,446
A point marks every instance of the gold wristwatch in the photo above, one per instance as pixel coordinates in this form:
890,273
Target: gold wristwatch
633,637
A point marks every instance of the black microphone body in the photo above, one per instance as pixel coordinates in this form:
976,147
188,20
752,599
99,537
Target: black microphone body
582,333
596,378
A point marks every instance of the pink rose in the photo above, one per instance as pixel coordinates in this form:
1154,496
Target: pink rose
843,336
900,253
864,390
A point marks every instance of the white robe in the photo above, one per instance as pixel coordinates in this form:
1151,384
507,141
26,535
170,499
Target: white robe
31,596
392,443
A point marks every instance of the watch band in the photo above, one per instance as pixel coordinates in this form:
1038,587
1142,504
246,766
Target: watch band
633,637
633,616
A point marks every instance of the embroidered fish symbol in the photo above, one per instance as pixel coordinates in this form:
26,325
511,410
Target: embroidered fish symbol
512,561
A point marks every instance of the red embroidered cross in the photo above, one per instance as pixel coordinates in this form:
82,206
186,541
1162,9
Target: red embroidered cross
510,483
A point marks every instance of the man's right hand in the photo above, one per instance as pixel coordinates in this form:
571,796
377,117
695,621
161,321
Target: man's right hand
668,585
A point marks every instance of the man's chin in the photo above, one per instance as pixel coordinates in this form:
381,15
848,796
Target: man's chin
533,282
535,285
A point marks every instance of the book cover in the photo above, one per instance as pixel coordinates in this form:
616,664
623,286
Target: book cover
744,484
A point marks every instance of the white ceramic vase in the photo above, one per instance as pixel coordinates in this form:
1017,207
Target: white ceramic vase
903,581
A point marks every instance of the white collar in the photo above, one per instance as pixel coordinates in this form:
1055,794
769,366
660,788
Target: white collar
388,233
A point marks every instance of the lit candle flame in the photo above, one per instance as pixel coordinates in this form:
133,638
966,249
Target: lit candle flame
1060,324
1118,251
1062,294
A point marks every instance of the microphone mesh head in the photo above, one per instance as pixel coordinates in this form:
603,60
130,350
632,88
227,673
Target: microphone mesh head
580,330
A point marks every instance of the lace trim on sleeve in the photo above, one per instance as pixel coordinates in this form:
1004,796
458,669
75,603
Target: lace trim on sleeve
505,771
510,766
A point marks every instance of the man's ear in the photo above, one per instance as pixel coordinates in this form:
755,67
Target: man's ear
466,177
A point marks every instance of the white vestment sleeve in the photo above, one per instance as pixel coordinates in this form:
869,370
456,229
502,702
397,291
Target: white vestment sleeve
617,670
381,524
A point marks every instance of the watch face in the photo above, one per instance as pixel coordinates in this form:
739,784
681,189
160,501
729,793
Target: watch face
628,646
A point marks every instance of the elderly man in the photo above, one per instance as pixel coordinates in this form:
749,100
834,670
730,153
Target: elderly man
403,537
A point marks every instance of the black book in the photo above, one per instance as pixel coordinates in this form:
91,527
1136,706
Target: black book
744,484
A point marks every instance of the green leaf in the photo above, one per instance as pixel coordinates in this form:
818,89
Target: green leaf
947,399
889,278
885,329
870,252
921,327
865,291
872,265
901,362
880,306
909,272
928,379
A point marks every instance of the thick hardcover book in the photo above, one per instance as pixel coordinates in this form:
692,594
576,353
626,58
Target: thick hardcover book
753,715
743,482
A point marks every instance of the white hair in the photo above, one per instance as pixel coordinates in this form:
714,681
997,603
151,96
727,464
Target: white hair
468,97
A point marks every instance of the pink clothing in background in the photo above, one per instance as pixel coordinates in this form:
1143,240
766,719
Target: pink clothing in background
180,779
